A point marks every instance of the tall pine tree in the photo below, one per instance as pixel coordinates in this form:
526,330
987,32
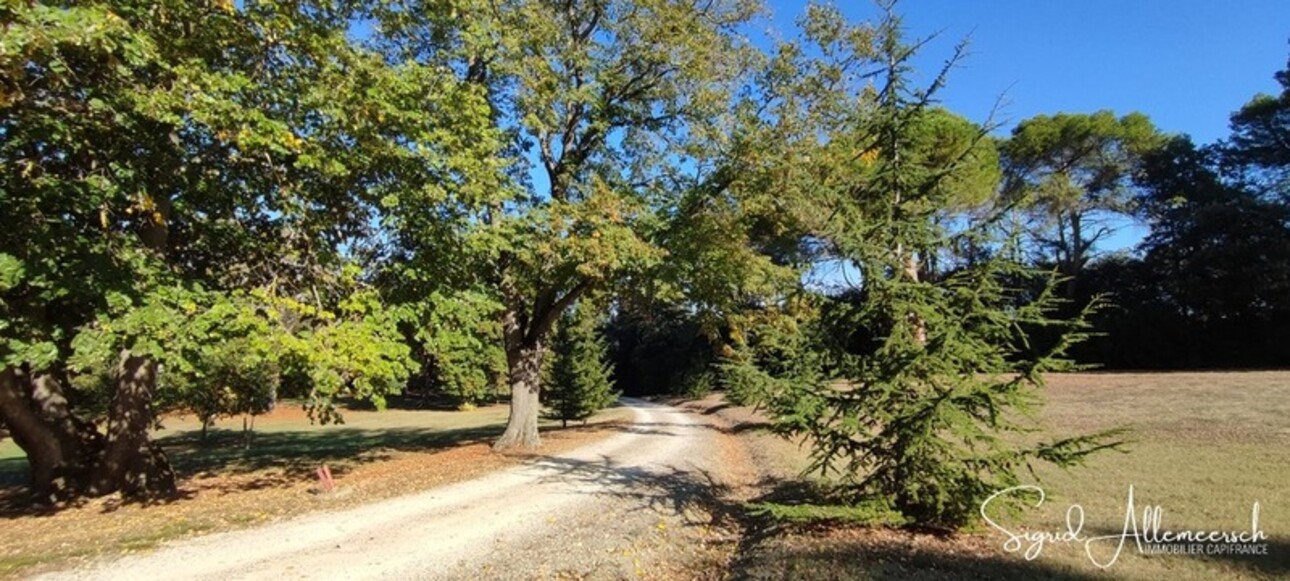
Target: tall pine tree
578,383
942,381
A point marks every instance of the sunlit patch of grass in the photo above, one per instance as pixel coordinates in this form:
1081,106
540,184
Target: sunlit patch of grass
176,530
1205,447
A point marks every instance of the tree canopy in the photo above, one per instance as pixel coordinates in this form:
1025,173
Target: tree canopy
588,112
178,176
209,206
1071,171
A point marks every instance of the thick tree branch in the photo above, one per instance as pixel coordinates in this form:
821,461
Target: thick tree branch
544,321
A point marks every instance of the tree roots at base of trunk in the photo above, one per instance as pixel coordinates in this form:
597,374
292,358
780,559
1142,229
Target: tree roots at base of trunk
69,458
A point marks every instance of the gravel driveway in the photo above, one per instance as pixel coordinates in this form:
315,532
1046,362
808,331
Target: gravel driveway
632,506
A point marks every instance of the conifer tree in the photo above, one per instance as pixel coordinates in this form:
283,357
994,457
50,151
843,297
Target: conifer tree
578,382
941,379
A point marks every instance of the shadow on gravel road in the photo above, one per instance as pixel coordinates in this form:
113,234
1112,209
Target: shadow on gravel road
687,491
766,549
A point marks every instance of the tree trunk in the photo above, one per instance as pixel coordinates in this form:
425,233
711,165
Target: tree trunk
1074,256
920,326
525,364
79,440
31,433
524,330
130,462
61,449
911,272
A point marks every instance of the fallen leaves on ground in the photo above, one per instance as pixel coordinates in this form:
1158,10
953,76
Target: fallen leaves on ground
213,501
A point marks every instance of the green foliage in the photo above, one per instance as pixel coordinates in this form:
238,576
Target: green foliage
355,350
660,349
461,338
1066,170
179,181
1219,252
578,382
1204,288
926,424
232,380
193,334
772,352
931,428
224,353
941,379
698,383
1258,144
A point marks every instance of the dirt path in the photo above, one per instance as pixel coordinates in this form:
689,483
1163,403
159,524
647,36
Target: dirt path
632,506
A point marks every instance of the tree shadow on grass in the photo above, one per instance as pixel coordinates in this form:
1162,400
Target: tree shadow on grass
13,472
717,408
773,549
273,459
840,549
407,401
802,552
1275,564
767,549
664,428
302,451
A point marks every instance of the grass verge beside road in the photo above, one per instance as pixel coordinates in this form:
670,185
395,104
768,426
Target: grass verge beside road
225,486
1205,447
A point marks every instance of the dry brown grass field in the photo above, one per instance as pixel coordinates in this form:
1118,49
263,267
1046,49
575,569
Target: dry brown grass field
1204,447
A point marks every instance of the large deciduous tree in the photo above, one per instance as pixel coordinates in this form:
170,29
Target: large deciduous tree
1260,140
591,103
175,176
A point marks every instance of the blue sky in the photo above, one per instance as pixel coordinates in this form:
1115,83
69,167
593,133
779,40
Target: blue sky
1186,63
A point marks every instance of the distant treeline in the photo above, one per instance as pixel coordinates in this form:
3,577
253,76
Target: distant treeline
1207,288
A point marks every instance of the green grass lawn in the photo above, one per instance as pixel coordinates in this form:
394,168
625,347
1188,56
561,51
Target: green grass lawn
1205,447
